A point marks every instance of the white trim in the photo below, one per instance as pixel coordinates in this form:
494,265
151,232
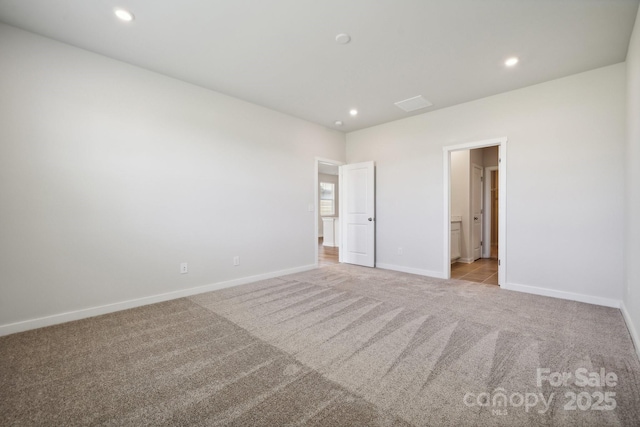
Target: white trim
340,213
316,197
446,179
589,299
502,202
411,270
476,144
502,212
84,313
635,337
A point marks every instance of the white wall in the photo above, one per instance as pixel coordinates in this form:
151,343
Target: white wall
110,176
632,285
565,176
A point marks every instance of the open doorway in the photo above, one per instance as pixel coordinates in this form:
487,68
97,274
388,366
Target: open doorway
474,211
470,211
327,208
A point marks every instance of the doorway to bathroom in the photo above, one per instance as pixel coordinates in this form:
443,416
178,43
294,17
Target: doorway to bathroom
474,211
327,212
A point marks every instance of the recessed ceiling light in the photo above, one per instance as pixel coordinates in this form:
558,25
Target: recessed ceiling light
338,123
343,38
353,112
124,15
511,61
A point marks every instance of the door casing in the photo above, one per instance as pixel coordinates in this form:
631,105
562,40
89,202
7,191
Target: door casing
315,206
502,202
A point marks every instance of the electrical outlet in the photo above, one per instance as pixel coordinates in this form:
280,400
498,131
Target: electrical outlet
399,251
236,260
183,268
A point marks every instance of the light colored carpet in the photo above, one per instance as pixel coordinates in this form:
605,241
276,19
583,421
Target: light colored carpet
337,346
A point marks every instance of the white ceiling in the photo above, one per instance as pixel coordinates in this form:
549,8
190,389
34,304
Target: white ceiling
282,54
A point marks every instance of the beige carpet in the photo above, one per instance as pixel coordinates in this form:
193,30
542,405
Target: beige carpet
336,346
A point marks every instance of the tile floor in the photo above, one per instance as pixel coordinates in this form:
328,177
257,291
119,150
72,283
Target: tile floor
484,270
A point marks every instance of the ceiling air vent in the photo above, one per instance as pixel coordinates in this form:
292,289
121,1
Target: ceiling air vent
412,104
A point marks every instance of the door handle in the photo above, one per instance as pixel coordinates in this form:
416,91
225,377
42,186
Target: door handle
370,219
475,218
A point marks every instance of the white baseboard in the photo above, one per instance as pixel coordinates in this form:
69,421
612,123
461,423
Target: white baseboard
55,319
607,302
589,299
631,327
411,270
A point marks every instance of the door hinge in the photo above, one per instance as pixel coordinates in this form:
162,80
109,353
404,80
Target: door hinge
499,160
498,262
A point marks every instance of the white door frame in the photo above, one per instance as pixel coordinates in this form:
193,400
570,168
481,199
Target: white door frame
316,202
486,237
502,202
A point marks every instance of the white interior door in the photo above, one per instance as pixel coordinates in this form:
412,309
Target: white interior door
357,206
476,212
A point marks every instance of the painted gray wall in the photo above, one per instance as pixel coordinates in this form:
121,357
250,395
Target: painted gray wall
565,190
111,176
